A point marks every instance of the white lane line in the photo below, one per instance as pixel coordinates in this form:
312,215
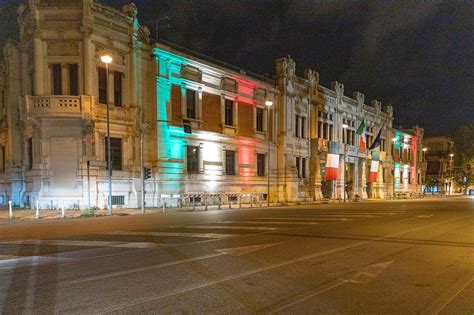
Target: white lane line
234,251
232,227
178,234
449,295
205,284
304,219
85,243
28,261
260,222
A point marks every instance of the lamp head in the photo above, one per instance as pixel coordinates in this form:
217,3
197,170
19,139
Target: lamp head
106,59
269,103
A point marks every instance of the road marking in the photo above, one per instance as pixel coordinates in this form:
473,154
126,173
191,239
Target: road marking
417,217
232,227
85,243
193,287
186,234
449,295
260,222
304,219
235,251
28,261
363,275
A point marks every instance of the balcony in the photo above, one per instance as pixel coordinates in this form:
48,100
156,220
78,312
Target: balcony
57,105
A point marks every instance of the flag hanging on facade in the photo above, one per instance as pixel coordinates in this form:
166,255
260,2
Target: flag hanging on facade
332,161
361,133
374,166
377,140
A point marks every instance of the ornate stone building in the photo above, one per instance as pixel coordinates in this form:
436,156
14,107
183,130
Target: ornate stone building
252,138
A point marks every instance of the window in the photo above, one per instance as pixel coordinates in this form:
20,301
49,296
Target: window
57,79
330,133
259,112
115,153
297,162
102,86
303,167
325,131
191,104
229,113
192,155
117,88
118,200
2,156
260,164
29,150
303,127
229,162
73,80
297,126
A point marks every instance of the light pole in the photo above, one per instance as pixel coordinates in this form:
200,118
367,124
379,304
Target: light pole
269,104
394,139
423,182
344,127
450,172
108,59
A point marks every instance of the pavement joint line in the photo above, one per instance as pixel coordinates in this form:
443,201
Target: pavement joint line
263,269
170,234
233,227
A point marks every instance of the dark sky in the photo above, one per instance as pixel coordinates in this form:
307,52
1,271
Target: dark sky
416,55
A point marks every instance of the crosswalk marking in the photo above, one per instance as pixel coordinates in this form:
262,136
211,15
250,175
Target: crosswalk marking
178,234
233,227
260,222
29,261
85,243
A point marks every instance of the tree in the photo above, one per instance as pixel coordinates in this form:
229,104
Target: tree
464,156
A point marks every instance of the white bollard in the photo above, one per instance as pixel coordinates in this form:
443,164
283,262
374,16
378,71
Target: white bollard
62,211
10,210
37,209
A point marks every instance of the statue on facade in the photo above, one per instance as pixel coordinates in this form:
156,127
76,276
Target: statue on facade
130,10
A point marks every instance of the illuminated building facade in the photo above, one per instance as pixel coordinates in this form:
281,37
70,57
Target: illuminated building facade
210,133
312,116
409,165
440,162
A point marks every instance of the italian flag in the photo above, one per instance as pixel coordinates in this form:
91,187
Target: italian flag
374,167
361,133
332,161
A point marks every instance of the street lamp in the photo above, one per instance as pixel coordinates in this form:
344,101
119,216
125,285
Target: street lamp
450,172
423,169
394,139
269,104
345,126
108,59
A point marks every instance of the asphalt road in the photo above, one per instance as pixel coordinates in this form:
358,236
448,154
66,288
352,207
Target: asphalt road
374,257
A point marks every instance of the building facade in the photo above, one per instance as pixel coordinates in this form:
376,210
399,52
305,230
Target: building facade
440,164
208,132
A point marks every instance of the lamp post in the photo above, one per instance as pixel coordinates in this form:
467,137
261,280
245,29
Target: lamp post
394,139
344,127
108,59
269,104
423,182
450,172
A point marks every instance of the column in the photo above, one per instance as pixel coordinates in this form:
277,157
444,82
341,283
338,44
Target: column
38,66
88,61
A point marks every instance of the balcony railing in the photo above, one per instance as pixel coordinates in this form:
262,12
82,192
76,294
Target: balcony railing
57,105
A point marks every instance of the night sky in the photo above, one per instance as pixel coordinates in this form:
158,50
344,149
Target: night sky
416,55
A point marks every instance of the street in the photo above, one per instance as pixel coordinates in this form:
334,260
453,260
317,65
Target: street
414,256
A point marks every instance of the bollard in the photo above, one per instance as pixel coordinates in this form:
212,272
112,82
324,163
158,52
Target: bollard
219,205
205,203
164,206
240,201
37,210
62,211
10,210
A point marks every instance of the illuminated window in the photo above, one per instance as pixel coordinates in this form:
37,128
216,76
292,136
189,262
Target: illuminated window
191,104
117,88
102,85
230,162
73,80
298,168
115,153
260,164
259,118
29,150
229,113
303,167
57,90
192,155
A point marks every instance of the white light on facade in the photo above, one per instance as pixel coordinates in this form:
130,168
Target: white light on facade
106,59
268,103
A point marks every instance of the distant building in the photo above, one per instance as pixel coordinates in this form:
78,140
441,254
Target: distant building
440,164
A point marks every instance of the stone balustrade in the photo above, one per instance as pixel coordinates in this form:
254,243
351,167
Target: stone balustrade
57,105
